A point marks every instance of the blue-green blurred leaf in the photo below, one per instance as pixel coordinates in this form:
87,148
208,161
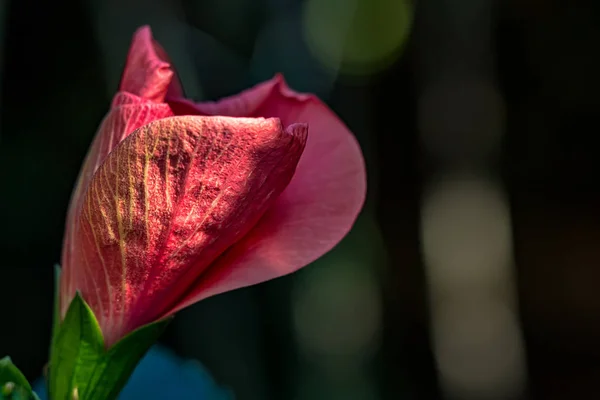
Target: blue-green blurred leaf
13,384
163,375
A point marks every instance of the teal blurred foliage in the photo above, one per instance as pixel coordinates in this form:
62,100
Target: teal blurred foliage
163,375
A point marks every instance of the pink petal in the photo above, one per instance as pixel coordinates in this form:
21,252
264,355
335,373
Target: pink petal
166,202
147,79
148,73
314,212
128,114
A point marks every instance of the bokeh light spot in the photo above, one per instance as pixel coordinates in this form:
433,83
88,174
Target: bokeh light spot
467,237
357,36
337,311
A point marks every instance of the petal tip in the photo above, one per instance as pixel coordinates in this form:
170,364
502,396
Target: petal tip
143,31
299,131
148,73
279,82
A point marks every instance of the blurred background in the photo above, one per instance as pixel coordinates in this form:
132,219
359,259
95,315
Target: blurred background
474,269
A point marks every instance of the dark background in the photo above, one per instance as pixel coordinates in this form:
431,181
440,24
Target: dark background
474,270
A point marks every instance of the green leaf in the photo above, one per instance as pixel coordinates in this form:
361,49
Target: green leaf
120,361
77,348
12,392
10,373
13,384
56,317
79,361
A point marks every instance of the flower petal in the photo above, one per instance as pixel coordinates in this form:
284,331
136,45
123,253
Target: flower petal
313,213
124,118
148,73
147,78
166,202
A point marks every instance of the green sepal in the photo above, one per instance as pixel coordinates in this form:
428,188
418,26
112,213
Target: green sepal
118,364
77,348
13,384
80,363
55,321
56,310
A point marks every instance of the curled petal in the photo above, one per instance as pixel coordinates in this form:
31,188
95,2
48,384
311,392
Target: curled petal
148,73
146,80
313,213
166,202
123,119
